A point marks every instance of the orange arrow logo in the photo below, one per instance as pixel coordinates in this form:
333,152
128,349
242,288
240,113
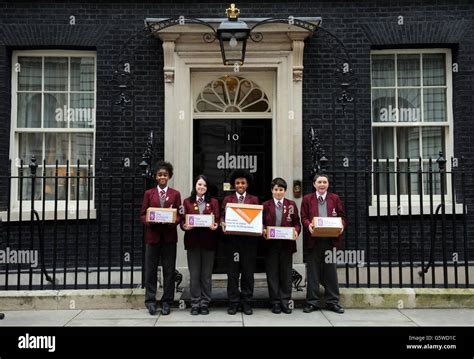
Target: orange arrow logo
247,214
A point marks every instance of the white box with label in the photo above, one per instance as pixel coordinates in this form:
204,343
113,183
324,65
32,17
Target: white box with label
244,219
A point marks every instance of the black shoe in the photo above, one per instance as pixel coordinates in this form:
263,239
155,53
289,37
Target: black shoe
285,309
151,308
165,309
336,308
194,310
310,308
204,310
247,308
232,310
276,309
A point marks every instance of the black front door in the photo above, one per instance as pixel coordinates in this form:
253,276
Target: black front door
220,146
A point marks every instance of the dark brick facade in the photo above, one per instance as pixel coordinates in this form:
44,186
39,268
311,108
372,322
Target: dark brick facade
363,25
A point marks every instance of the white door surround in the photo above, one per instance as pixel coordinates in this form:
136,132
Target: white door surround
280,52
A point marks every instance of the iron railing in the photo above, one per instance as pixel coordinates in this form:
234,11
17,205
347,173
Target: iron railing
409,223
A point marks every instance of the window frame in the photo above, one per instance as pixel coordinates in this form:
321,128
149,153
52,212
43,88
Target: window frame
448,136
14,141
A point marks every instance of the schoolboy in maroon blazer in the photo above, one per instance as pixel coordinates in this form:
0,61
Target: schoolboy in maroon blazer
241,250
200,244
160,239
321,204
280,212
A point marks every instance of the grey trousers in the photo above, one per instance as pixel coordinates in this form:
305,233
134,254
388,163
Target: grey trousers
278,265
167,252
319,271
200,263
246,248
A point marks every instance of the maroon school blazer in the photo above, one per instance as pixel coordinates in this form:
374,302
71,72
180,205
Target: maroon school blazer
309,209
290,218
166,232
204,238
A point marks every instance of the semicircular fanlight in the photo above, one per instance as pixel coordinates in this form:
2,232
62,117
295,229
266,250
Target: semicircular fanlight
232,94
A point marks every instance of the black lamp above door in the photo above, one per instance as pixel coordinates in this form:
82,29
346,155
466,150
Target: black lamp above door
233,34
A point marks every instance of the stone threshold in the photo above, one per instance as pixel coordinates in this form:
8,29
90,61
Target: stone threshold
368,298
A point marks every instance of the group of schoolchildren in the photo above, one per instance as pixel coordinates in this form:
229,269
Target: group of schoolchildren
240,250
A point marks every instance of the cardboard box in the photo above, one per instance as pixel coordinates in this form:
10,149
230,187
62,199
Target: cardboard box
200,220
244,219
161,215
287,233
327,226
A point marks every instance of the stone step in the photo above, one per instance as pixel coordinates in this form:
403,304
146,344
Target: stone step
220,280
260,297
387,298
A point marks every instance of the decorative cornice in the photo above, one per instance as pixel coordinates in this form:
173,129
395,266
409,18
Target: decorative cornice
297,75
298,48
168,57
168,75
189,38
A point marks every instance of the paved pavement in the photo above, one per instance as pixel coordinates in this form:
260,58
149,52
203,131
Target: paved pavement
261,317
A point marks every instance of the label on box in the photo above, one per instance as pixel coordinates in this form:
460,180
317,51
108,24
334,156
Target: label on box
161,215
327,226
243,219
334,222
281,233
200,220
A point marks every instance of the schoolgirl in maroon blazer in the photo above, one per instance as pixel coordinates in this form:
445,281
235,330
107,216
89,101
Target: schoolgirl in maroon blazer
321,204
160,239
241,250
280,212
201,244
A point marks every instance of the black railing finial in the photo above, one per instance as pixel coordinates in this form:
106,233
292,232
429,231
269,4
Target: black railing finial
33,166
441,162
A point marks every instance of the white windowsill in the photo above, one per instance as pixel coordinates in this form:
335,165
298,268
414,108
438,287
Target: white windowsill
415,209
48,215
